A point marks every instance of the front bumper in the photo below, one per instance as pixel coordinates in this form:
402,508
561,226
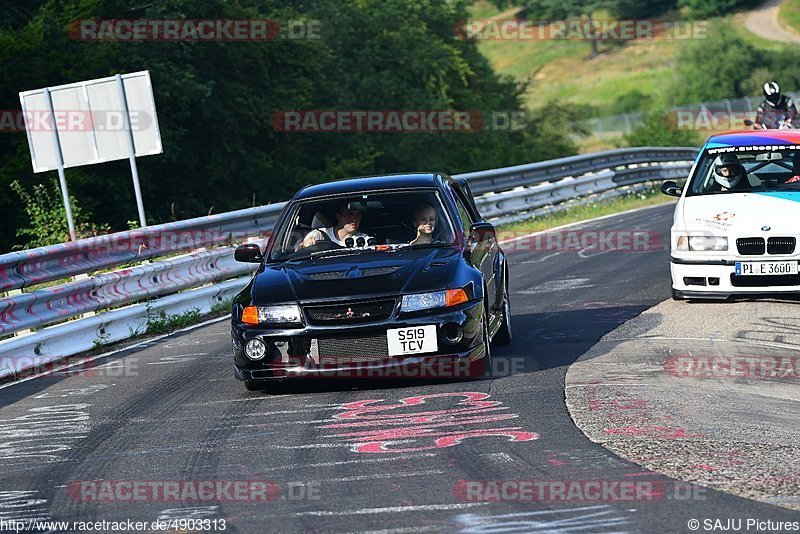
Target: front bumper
295,353
716,278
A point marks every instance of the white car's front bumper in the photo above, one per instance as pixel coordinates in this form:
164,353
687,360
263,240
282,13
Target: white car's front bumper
715,278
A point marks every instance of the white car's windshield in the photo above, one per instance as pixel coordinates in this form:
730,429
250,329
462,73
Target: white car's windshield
363,223
747,169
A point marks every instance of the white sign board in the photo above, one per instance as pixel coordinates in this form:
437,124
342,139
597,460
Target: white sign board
90,121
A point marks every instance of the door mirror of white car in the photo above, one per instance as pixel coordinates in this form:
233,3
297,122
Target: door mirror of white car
671,188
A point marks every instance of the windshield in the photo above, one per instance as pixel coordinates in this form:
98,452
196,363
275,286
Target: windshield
745,169
362,224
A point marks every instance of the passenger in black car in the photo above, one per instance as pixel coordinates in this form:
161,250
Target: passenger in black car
424,222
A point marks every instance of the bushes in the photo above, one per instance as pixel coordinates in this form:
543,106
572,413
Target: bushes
656,130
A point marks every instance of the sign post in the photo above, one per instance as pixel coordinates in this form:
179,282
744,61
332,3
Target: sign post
60,162
131,150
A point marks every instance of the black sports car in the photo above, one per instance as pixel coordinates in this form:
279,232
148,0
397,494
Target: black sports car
367,276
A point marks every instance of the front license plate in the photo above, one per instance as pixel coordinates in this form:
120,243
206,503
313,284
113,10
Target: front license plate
412,340
765,268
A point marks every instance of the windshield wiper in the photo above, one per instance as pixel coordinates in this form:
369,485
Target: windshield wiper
424,245
338,252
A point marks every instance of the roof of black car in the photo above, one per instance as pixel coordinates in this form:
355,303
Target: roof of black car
370,183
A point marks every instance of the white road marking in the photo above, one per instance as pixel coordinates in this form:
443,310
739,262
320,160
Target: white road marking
379,476
393,509
552,286
351,462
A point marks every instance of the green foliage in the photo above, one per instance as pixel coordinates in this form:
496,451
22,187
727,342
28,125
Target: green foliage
717,67
727,66
47,217
222,306
631,102
703,9
624,9
216,101
658,130
161,323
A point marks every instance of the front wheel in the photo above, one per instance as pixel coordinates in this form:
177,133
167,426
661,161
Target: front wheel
487,350
503,335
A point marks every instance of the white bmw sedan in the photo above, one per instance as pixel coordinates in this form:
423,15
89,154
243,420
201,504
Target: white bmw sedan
737,220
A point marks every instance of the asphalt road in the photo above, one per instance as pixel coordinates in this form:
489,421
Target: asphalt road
391,456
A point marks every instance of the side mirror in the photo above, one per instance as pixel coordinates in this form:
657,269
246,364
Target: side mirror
671,188
250,253
480,230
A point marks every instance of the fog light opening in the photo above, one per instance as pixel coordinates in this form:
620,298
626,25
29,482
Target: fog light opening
255,349
452,333
694,281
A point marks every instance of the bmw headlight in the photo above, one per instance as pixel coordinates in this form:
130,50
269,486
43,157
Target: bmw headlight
276,314
702,243
434,299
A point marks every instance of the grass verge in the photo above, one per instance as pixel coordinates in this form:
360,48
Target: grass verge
789,14
640,199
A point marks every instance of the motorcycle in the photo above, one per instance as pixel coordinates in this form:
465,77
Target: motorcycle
785,124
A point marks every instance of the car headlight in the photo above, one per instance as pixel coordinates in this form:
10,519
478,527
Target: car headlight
703,243
277,314
435,299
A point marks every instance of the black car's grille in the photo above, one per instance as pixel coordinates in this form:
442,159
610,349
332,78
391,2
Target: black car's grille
765,281
750,246
781,245
350,313
342,350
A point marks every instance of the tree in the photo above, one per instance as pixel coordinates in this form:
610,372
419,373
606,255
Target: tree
715,68
563,9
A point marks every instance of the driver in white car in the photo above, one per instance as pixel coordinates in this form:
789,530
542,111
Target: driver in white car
729,173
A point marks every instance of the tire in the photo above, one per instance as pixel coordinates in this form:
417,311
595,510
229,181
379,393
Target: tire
254,385
504,335
487,350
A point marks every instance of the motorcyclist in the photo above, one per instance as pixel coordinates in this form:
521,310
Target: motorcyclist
775,108
729,174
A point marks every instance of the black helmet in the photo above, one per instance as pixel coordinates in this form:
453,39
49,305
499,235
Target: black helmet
772,93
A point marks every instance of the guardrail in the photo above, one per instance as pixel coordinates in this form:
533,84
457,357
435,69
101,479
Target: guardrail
509,193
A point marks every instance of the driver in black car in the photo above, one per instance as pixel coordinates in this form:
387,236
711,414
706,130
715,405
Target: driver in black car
347,223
